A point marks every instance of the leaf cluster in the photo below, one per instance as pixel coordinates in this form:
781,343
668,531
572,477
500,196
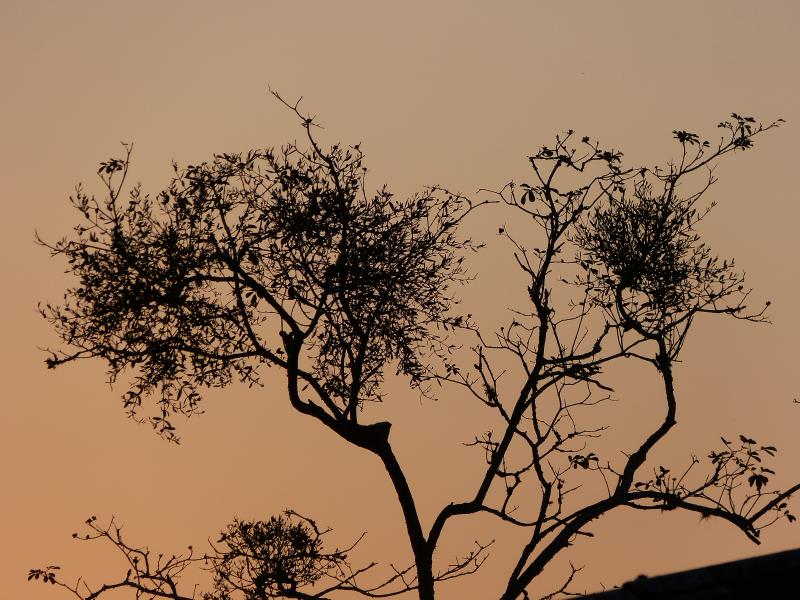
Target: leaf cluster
272,559
644,258
207,281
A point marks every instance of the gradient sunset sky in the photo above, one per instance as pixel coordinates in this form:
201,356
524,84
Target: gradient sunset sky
450,93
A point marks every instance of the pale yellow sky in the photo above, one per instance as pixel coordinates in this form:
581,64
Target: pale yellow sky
456,93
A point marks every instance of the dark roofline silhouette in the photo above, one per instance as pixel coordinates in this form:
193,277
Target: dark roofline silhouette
770,576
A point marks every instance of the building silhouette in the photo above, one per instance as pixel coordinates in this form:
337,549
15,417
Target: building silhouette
774,576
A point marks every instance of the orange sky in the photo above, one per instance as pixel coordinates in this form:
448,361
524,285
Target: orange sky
455,93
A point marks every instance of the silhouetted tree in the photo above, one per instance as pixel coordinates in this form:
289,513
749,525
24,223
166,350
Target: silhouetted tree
250,560
282,258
